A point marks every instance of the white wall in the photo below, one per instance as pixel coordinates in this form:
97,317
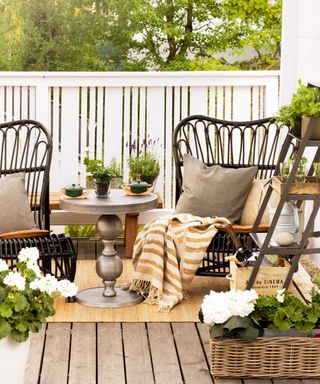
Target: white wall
300,58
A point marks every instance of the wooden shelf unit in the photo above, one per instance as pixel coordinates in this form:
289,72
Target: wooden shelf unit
293,192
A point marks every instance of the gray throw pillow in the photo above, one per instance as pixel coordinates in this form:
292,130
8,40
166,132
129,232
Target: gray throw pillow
214,191
15,212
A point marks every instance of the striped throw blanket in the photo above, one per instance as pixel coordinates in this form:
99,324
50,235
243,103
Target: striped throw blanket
166,255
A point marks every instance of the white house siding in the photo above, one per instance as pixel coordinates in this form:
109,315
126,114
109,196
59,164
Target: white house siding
300,45
300,58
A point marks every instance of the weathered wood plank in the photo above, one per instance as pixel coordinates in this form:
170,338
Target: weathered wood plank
145,361
218,380
192,357
303,281
164,357
35,357
203,330
83,354
110,354
137,355
56,354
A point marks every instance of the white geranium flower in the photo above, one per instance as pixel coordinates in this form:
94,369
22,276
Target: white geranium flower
46,283
243,302
280,295
29,255
14,279
217,308
3,265
67,288
214,309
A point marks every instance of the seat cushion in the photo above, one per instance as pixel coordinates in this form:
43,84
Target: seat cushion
254,201
15,211
214,190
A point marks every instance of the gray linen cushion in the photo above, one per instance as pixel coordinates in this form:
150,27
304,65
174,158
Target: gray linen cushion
15,212
214,191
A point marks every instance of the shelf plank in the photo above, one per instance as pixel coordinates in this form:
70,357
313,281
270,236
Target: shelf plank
292,249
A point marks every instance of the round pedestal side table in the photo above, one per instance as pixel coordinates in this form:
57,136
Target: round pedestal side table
109,265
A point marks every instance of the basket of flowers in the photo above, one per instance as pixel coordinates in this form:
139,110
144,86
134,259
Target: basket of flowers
253,335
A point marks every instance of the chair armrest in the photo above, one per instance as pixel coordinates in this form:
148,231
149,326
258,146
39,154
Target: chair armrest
24,234
248,228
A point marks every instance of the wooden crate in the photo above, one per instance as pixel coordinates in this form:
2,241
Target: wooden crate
268,281
309,187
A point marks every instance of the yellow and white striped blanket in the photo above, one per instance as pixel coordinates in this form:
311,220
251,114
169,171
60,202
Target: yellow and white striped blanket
166,255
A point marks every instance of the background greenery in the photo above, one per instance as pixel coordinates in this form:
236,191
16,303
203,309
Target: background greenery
107,35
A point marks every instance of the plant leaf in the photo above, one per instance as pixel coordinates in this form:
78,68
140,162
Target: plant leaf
200,314
20,302
216,331
236,322
249,333
4,328
5,311
304,326
280,320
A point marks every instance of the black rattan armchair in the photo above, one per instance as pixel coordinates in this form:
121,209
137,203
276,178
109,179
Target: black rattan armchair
229,144
26,146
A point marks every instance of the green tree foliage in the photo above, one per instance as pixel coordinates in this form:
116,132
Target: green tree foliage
10,32
88,35
59,35
259,23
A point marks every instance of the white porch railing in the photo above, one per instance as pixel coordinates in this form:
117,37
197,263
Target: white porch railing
108,111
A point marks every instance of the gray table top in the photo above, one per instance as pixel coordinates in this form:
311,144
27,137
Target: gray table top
115,203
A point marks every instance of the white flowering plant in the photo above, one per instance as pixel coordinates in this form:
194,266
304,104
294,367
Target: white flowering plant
227,314
27,297
245,314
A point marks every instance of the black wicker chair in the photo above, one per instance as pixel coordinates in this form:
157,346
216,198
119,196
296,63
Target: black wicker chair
229,144
26,146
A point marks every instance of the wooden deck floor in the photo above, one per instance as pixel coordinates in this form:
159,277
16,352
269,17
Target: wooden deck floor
126,353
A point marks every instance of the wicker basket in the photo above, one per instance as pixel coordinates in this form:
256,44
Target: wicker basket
266,357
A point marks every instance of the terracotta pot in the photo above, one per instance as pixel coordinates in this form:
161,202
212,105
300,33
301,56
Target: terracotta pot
13,360
315,135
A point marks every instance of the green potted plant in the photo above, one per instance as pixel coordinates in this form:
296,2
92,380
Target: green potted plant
305,104
100,174
115,167
316,167
26,300
260,326
144,165
285,168
301,171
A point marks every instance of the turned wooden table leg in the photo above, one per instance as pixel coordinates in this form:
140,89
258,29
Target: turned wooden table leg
130,233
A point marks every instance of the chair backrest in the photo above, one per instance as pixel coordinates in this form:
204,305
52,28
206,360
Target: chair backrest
228,143
26,146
